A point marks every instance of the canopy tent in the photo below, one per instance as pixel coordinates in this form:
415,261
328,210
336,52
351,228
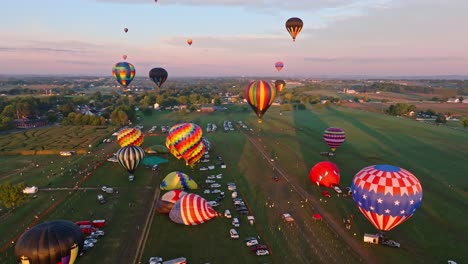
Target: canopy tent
153,160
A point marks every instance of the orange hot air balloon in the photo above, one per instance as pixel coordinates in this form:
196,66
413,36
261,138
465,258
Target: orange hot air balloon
189,41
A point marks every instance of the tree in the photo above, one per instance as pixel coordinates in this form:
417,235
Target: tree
464,122
461,99
440,120
12,196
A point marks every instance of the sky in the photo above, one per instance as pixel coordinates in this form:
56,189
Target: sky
236,37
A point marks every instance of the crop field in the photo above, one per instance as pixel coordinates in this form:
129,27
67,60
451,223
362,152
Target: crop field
435,155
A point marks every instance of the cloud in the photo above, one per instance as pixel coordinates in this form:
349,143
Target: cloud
39,49
383,59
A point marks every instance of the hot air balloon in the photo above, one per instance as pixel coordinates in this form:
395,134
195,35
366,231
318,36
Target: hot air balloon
279,65
294,26
130,157
167,201
387,195
185,141
51,242
125,30
124,57
325,174
189,41
279,84
192,209
260,95
334,136
178,180
130,136
158,76
123,73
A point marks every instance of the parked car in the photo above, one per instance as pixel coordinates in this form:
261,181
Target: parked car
88,244
216,191
206,191
91,240
155,260
203,168
213,203
211,177
210,181
258,247
337,189
219,176
234,234
227,214
243,212
235,222
262,252
242,208
215,185
98,233
252,242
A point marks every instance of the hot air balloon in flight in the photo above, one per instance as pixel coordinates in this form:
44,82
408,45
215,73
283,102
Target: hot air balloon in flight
260,95
125,30
279,65
158,76
124,57
279,84
387,195
167,201
325,174
130,157
334,137
192,209
185,141
123,73
189,41
51,242
178,180
130,136
294,26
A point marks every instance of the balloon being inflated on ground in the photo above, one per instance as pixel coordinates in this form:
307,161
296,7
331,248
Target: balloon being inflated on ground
325,174
386,195
167,201
192,209
178,180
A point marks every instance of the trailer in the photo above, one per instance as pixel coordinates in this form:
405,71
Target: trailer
370,238
98,223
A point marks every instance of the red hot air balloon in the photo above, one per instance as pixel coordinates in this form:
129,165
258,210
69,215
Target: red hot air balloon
386,195
334,137
189,41
279,65
192,209
124,57
325,174
260,95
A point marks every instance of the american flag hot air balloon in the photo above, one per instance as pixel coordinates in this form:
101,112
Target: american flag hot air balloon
387,195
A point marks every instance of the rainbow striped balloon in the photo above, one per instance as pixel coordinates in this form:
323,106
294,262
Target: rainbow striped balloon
192,209
130,137
185,141
334,137
123,73
260,95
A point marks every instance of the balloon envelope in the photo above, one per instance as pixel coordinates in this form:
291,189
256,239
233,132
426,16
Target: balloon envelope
334,137
189,41
192,209
178,180
125,30
279,84
260,95
387,195
294,26
185,141
158,76
325,174
130,136
123,73
279,65
124,57
130,157
167,201
51,242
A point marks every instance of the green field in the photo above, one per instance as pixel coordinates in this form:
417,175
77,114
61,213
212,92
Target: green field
436,155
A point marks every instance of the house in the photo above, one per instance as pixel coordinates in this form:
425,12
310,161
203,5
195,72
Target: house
453,100
207,108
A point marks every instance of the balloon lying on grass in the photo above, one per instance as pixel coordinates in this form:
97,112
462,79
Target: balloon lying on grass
130,157
325,174
260,95
130,137
192,209
167,201
178,180
51,242
123,73
386,195
334,137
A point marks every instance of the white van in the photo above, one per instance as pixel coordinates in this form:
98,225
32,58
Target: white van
234,195
227,214
235,222
233,234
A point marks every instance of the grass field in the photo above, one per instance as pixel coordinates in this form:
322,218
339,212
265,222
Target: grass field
436,155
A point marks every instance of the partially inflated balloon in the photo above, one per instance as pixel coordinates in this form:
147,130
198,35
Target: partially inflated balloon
158,76
387,195
123,73
178,180
279,65
130,136
279,84
260,95
167,201
325,174
334,137
294,26
51,242
192,209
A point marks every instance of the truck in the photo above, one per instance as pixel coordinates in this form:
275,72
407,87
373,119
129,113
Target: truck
98,223
180,260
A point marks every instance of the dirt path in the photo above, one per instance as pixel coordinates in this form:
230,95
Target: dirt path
333,224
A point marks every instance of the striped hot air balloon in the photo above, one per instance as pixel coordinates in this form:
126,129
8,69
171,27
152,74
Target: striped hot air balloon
279,84
279,65
387,195
130,157
123,73
334,137
192,209
167,201
260,95
178,180
185,141
130,136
